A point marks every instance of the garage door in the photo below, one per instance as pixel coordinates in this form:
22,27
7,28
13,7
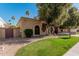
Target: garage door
9,33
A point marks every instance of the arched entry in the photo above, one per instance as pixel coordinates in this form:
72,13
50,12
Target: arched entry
37,30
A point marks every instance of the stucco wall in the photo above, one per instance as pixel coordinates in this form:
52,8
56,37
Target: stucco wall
2,33
17,33
30,24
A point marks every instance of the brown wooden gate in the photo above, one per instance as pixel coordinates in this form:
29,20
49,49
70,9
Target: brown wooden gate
9,33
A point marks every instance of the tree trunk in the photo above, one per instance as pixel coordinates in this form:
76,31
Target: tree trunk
48,27
56,30
50,30
69,32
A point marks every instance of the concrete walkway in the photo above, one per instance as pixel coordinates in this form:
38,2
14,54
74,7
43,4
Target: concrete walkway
77,35
74,51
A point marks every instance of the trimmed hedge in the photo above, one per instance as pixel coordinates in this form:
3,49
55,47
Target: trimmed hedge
28,32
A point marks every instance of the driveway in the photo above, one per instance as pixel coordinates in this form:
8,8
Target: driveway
9,47
9,50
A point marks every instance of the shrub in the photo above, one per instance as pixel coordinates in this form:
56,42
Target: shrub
28,32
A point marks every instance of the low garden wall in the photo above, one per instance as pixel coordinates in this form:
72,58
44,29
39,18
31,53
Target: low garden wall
16,33
2,33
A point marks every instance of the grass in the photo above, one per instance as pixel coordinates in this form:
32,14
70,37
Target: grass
77,33
48,47
64,36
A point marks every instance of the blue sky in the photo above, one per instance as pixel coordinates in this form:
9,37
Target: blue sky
18,9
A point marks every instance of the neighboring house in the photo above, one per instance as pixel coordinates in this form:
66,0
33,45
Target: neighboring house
38,26
3,24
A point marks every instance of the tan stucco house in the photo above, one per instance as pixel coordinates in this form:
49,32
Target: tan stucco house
38,26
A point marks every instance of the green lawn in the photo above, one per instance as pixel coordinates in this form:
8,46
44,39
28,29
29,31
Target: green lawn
77,33
48,47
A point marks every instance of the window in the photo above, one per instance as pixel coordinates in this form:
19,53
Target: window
43,27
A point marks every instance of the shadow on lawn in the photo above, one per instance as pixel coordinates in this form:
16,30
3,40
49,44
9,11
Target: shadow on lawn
65,38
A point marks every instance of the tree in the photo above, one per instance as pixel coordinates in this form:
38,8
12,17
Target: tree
54,14
73,20
27,12
10,22
13,18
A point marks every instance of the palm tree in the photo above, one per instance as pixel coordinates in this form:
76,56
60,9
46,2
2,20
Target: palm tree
13,18
27,12
10,22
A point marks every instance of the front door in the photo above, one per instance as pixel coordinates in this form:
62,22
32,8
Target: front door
37,30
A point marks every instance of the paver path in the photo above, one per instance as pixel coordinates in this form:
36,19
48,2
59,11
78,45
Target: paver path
74,51
9,47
